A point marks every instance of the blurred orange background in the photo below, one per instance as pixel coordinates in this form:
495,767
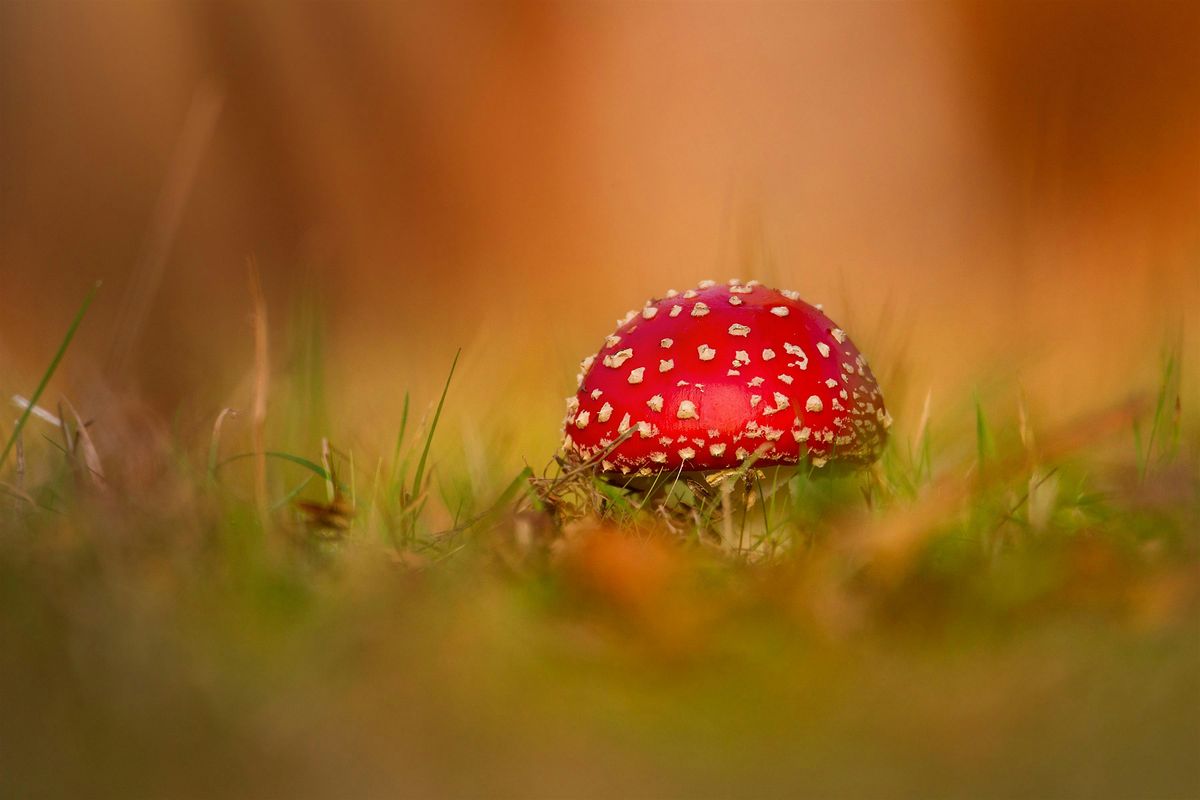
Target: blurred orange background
972,189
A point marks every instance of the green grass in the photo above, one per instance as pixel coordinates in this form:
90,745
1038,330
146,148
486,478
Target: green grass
51,368
1013,616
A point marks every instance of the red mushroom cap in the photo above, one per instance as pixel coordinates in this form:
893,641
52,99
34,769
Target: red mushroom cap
707,378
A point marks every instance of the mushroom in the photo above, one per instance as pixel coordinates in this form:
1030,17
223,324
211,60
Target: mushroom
705,379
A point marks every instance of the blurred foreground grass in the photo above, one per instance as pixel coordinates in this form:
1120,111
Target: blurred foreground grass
1006,613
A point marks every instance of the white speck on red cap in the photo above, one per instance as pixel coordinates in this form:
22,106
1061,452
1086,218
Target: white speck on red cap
614,360
799,353
813,404
706,353
655,403
739,330
768,354
699,310
665,364
604,413
687,410
635,375
780,311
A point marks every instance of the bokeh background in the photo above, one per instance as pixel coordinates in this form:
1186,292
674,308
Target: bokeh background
996,200
979,193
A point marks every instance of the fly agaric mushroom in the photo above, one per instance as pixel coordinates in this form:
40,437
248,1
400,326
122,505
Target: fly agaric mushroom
705,379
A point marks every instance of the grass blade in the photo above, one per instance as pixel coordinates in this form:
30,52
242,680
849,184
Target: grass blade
983,436
312,466
292,495
262,386
399,444
214,444
49,373
1167,385
416,486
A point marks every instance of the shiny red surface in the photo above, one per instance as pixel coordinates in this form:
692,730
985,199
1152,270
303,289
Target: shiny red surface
783,424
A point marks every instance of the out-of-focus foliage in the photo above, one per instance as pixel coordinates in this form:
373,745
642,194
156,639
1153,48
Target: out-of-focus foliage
1016,617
